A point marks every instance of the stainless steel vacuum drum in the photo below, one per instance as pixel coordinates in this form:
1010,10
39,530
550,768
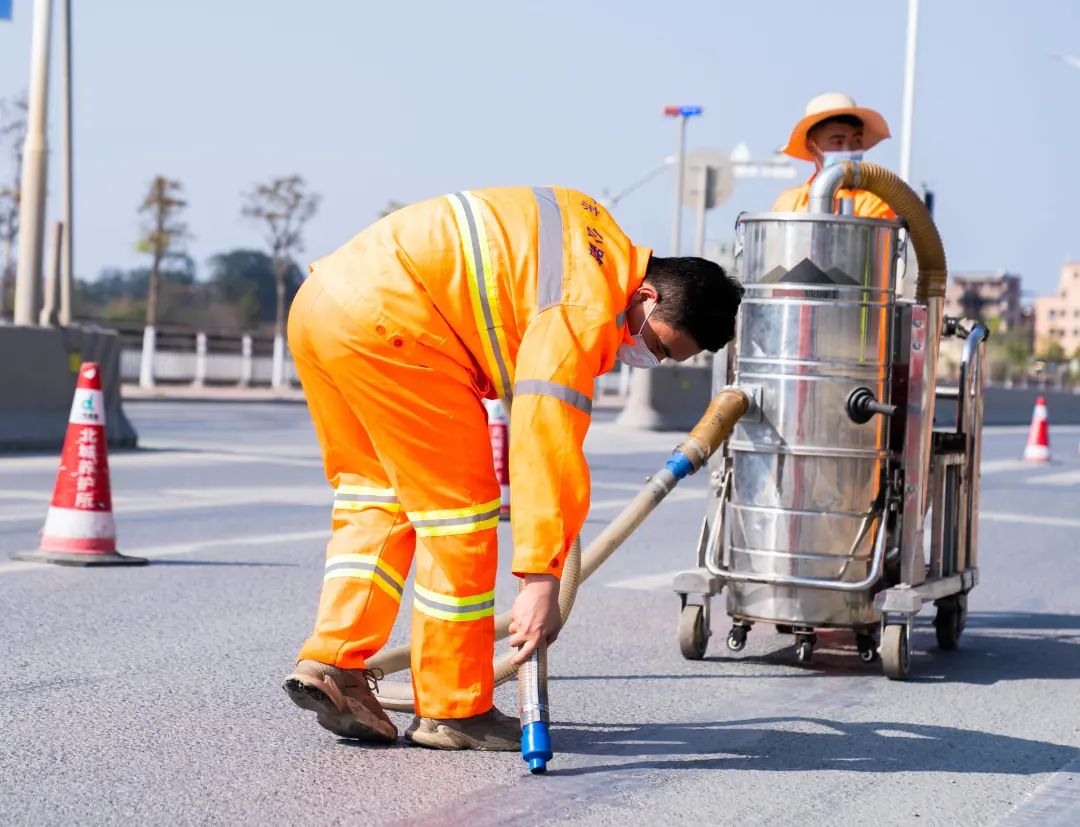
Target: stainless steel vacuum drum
806,480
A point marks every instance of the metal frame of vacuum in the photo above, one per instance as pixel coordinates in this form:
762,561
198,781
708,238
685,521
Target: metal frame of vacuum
838,504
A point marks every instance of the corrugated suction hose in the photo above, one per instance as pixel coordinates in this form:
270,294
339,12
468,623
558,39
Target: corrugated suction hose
905,202
930,286
712,430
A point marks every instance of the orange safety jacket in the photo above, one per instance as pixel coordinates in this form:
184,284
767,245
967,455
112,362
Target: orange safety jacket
867,205
525,289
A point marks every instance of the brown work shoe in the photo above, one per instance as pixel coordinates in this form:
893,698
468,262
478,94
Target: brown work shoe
491,731
343,700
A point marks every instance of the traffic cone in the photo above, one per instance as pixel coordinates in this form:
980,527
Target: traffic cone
499,433
79,529
1038,442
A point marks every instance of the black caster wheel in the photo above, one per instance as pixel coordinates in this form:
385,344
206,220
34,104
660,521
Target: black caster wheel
950,620
804,650
736,639
895,652
868,650
693,634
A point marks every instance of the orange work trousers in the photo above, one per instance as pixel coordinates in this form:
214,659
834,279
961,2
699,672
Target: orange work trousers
405,443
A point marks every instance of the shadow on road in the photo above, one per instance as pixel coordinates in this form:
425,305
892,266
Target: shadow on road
996,646
798,744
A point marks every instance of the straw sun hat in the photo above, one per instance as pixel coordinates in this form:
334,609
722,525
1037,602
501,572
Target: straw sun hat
829,105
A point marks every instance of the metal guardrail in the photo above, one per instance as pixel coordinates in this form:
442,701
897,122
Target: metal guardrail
177,359
178,367
185,356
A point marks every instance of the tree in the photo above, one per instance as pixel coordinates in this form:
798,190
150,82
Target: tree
13,115
245,280
283,206
122,294
1052,352
1008,352
162,234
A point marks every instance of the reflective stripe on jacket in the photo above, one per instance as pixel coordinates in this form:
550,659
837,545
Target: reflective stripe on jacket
525,289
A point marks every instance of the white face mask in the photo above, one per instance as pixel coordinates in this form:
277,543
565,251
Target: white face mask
838,156
638,354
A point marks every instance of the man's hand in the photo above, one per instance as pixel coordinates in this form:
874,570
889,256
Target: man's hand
535,615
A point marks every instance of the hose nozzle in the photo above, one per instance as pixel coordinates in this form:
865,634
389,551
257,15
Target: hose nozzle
533,709
536,746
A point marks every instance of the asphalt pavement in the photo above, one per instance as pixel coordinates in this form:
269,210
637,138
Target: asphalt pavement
152,695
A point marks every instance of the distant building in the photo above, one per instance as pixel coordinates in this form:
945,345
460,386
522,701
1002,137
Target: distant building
985,296
1057,317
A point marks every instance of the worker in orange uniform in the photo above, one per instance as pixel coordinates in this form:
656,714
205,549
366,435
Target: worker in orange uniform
397,337
833,130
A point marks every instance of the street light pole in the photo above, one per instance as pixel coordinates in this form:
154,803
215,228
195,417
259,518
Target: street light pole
683,113
612,201
908,112
680,180
32,195
67,254
702,207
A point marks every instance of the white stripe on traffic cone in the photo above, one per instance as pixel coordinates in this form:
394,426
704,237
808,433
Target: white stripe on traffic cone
499,433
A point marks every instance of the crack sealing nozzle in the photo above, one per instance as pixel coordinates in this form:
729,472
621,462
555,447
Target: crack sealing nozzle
536,746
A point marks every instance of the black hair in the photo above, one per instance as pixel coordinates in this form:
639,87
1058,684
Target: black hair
697,297
846,120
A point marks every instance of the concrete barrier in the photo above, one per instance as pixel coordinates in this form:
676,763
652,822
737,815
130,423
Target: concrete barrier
1013,406
673,397
37,382
667,398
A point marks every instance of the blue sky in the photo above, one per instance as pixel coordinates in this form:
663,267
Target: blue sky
403,100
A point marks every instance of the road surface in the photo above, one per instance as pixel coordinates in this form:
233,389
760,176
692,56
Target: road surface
152,695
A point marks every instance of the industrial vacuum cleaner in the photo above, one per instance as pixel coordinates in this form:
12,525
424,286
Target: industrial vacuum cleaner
837,504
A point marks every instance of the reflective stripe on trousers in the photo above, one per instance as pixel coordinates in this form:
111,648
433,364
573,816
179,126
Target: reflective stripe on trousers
365,567
446,521
358,497
454,609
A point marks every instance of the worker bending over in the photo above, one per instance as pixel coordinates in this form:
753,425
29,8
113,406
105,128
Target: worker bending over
834,130
397,337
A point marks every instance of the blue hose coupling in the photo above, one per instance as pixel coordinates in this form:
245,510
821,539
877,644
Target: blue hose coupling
679,465
536,746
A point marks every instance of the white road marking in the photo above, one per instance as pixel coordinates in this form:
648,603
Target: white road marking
646,583
164,455
1064,478
169,500
664,580
1055,802
673,497
1028,519
21,494
998,466
619,486
1007,430
153,552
